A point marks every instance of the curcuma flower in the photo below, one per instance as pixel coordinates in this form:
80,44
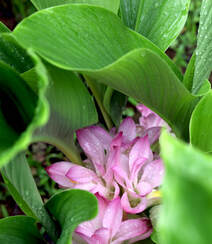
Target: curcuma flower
123,172
109,228
139,175
97,176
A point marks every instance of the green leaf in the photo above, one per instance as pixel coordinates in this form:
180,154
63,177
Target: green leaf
18,101
187,194
189,77
89,45
203,65
3,28
112,5
200,125
18,178
71,108
13,54
160,21
70,208
110,56
19,230
114,103
189,74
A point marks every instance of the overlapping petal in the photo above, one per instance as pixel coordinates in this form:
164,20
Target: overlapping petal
109,227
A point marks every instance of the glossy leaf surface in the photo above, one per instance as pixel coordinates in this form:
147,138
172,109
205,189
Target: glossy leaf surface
200,125
187,194
19,230
18,178
112,5
203,64
108,55
70,208
160,21
13,54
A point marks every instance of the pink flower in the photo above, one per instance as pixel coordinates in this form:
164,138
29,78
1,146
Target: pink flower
97,177
109,228
139,174
150,123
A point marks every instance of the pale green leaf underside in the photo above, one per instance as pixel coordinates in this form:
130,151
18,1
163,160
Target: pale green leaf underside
187,194
200,124
71,108
70,208
203,64
112,5
18,178
19,230
95,42
160,21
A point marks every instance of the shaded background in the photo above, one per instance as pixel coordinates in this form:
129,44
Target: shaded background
41,155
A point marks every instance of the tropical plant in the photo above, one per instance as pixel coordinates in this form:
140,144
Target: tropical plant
75,63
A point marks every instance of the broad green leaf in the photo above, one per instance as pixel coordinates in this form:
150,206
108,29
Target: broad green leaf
70,208
18,101
71,107
200,125
160,21
112,5
93,37
19,230
3,28
13,54
203,64
187,194
18,178
110,56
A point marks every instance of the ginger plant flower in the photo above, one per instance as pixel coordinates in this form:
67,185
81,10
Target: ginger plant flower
150,123
97,175
110,228
139,174
115,160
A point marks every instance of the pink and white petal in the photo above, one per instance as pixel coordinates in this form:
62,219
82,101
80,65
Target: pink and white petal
141,149
88,186
144,188
113,216
145,111
93,148
79,174
104,137
121,171
88,228
136,168
142,237
128,128
132,228
153,134
58,171
153,173
101,236
139,202
113,157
